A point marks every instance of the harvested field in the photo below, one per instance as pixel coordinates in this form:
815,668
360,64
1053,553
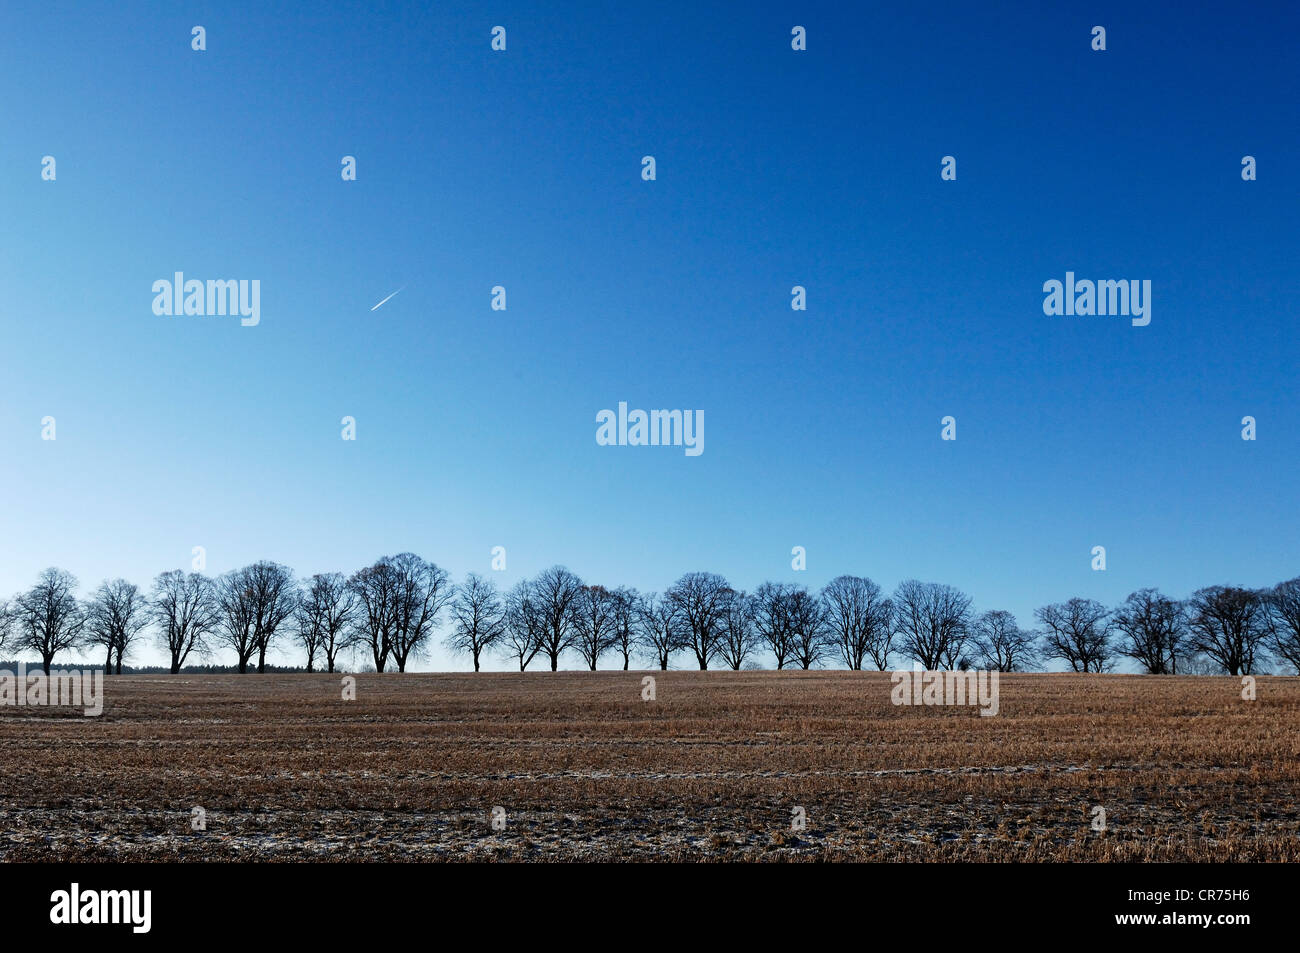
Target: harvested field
584,769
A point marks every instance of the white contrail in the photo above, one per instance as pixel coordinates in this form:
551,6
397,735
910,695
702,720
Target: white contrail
381,304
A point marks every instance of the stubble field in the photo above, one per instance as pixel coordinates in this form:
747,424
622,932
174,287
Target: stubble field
715,768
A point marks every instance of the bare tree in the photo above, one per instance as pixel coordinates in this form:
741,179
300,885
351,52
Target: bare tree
325,615
1077,631
772,619
859,621
6,621
807,628
375,588
1283,619
98,631
1153,629
48,618
234,596
115,617
932,622
308,630
627,611
422,592
556,591
1001,645
737,637
661,628
275,598
185,611
478,617
254,602
700,597
1228,625
595,628
525,624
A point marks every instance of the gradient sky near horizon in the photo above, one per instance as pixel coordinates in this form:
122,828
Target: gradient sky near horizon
476,428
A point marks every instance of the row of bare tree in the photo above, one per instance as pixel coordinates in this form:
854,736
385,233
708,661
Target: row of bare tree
393,609
852,623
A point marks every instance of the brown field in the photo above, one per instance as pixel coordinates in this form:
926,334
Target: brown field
711,770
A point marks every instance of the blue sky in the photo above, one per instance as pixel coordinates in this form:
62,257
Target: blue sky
774,168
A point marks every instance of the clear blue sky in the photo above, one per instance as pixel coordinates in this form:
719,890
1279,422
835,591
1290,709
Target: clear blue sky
775,168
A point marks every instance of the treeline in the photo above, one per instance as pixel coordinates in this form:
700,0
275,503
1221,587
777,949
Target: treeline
394,609
12,665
